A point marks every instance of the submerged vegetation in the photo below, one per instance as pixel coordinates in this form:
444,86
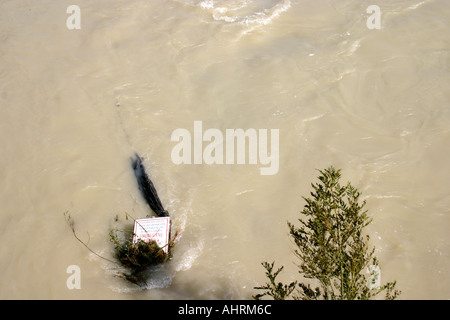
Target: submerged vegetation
139,255
136,257
332,249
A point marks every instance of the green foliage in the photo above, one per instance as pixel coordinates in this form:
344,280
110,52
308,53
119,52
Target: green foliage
136,257
331,246
278,291
140,255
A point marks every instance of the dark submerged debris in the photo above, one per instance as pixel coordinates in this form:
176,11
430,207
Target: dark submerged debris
147,188
136,256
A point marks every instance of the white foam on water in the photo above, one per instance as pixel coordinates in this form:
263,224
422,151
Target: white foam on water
250,14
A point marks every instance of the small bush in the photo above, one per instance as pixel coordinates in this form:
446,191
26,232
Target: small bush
332,248
138,256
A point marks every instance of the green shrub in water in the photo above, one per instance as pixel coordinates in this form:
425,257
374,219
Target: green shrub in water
136,257
140,255
332,249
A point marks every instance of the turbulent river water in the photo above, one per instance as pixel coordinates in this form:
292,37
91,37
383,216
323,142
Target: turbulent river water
83,88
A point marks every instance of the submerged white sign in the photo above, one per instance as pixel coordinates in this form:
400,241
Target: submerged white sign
156,229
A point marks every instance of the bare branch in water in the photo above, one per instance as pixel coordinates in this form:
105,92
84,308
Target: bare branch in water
71,224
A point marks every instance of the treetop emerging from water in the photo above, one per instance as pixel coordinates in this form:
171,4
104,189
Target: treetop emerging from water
333,251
